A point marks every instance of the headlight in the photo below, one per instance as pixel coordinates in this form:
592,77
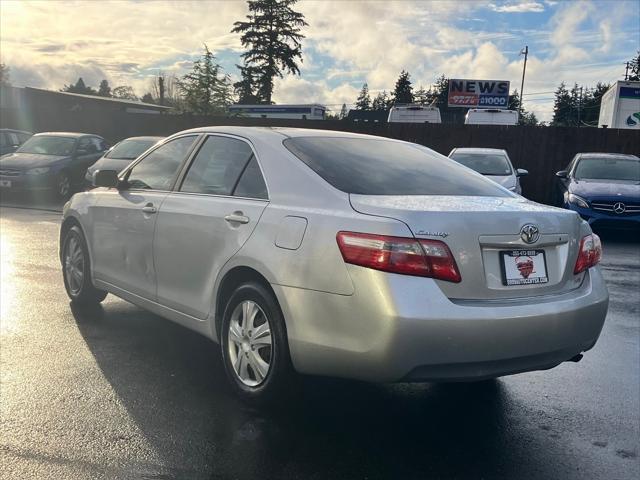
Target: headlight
38,171
579,201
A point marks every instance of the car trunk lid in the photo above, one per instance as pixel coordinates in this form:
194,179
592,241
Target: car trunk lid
480,231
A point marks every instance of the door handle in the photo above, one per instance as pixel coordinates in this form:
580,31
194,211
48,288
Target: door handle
236,217
149,209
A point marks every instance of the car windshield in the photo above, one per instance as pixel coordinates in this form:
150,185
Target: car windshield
130,149
385,167
48,145
484,163
608,168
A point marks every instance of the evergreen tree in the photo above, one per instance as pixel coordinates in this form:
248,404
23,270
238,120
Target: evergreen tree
147,98
634,75
343,111
124,92
4,75
246,87
420,96
403,92
381,101
79,87
206,89
364,100
104,90
272,36
562,107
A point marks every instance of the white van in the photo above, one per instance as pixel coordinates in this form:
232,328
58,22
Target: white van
491,116
414,114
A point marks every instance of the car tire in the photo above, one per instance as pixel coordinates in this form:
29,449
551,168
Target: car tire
63,186
258,366
76,270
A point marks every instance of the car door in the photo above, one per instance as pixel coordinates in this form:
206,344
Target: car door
205,221
123,220
86,153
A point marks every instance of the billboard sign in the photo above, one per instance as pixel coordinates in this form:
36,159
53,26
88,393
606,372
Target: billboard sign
478,93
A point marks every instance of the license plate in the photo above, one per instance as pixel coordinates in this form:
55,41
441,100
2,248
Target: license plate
5,183
523,267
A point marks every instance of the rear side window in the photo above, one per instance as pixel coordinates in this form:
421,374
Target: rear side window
382,167
217,166
251,183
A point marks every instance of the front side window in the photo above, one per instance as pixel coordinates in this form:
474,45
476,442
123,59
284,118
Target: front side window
608,168
157,171
484,163
384,167
217,166
48,145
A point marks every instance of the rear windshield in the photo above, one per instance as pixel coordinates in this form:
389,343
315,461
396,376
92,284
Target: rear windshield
382,167
130,149
608,168
484,163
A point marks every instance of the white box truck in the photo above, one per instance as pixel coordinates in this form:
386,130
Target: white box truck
491,116
620,106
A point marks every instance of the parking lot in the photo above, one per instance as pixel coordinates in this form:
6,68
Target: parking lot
120,393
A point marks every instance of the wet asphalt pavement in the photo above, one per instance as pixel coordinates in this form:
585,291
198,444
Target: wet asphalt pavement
120,393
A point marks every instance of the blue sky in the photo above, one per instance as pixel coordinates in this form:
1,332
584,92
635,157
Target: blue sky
50,43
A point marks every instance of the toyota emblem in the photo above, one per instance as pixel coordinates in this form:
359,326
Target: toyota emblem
619,207
529,233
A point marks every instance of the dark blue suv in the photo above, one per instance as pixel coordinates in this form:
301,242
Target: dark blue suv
604,188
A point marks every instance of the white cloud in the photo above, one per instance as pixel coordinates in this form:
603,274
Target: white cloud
519,7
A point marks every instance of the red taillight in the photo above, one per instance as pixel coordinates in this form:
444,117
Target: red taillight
408,256
589,254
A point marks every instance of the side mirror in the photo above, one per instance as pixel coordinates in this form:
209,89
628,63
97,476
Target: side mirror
106,178
521,172
562,174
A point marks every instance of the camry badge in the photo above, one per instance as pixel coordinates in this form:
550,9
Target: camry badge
619,207
529,233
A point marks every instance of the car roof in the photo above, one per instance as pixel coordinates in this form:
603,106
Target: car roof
67,134
480,150
145,138
265,133
607,155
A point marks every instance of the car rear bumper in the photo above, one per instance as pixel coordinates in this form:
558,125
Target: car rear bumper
402,328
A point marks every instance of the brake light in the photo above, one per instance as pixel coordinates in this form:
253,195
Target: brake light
407,256
589,254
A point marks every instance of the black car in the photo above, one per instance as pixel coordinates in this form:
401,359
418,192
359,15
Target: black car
55,161
10,139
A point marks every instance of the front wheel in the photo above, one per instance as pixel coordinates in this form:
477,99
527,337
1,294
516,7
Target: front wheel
63,185
255,349
76,270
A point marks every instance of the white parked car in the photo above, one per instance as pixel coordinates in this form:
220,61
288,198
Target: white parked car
336,254
414,114
493,163
491,116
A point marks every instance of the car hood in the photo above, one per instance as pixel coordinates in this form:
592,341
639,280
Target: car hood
597,188
507,181
105,163
24,161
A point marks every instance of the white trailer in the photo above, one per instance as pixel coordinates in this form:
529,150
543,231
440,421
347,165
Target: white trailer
491,116
620,106
311,111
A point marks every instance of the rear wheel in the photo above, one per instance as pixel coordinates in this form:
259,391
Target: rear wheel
76,269
63,185
254,343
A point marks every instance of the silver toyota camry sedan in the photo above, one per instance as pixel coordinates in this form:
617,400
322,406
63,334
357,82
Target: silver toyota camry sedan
337,254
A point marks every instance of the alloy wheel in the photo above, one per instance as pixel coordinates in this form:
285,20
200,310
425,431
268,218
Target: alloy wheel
250,344
74,265
64,185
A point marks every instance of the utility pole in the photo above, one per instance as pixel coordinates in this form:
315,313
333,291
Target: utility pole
626,73
525,52
580,108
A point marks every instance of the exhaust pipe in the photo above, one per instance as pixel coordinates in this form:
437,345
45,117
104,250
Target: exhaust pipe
576,359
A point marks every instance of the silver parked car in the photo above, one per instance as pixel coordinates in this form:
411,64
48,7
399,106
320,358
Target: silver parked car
337,254
493,163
